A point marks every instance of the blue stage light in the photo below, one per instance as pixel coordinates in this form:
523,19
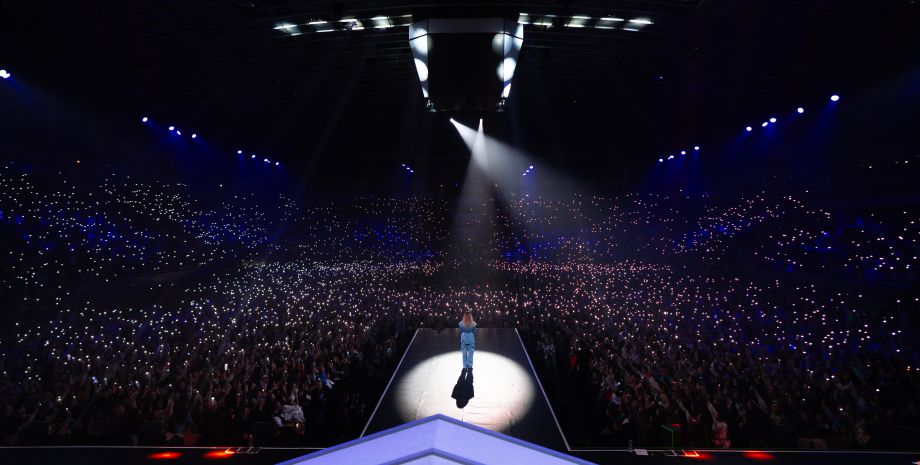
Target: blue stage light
179,132
801,110
683,152
144,119
671,157
277,163
525,174
171,128
696,147
4,74
660,160
266,160
834,98
253,156
749,129
765,124
194,136
239,152
531,167
772,120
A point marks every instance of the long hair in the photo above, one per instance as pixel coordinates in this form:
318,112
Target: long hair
468,319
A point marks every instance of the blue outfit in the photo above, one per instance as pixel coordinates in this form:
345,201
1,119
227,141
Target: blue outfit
467,344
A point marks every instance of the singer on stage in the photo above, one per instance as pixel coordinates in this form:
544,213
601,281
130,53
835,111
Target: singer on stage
467,339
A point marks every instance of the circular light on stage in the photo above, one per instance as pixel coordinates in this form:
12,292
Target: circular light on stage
503,390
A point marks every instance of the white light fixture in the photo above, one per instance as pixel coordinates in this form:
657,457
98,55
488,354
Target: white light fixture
286,26
640,21
581,17
317,22
612,19
379,18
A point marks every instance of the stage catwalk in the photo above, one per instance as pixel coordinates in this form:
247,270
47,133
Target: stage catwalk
507,395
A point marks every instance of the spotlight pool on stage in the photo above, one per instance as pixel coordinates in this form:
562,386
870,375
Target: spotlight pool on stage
507,397
504,391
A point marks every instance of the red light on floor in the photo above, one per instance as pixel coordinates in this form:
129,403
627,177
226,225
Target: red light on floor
757,455
218,454
165,455
700,456
691,453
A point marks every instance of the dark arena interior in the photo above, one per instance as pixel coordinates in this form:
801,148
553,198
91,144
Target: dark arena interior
247,230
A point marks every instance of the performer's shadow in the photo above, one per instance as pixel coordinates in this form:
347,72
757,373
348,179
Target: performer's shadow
463,390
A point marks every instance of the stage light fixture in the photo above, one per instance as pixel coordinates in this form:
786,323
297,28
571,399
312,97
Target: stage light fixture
179,132
465,63
749,129
801,110
239,152
765,123
4,74
144,119
834,98
266,160
671,157
683,152
277,163
253,156
660,160
172,128
696,147
194,136
772,120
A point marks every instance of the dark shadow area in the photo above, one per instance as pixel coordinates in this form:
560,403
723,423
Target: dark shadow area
463,390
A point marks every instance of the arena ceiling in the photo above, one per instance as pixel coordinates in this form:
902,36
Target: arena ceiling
229,70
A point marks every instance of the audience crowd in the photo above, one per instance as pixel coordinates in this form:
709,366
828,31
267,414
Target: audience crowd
632,340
